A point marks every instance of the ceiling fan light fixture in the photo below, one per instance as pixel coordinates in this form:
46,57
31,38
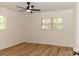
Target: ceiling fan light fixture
28,11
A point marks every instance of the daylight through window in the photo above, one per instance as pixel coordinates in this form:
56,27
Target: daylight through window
2,22
53,23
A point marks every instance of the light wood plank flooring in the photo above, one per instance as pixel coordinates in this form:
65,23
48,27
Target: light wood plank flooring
31,49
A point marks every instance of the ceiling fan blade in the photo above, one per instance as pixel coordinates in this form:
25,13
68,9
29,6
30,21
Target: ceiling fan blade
35,9
22,10
20,7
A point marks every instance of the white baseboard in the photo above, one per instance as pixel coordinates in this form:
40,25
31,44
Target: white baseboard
50,44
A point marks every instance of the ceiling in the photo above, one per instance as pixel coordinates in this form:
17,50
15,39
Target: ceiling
44,6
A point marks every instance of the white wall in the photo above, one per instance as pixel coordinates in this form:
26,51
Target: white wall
76,27
12,34
53,37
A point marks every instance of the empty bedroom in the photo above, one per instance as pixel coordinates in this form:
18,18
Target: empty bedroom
38,28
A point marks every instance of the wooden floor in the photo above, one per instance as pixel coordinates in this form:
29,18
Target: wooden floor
31,49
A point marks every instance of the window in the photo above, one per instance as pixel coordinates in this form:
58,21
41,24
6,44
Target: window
53,23
46,23
57,23
2,22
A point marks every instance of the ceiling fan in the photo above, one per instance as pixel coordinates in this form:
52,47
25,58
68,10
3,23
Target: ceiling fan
29,8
